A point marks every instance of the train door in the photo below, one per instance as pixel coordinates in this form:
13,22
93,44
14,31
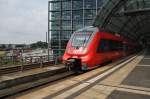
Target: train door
102,50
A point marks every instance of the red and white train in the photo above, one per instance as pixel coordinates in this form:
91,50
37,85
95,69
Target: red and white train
89,48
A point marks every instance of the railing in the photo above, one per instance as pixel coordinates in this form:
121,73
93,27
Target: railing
11,61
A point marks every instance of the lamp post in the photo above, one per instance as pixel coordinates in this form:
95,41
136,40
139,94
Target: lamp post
48,31
46,37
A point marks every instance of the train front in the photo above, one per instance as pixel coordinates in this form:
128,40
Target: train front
79,50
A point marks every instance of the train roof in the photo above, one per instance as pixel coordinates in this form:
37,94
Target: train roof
88,28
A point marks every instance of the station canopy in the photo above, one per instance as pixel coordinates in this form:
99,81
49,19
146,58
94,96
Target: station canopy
129,18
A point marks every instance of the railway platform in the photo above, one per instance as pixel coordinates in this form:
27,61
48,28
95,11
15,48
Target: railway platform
126,78
12,83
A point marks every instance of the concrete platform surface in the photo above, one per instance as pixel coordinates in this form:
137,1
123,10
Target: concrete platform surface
126,95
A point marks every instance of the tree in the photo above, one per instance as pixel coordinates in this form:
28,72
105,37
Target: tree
39,44
3,46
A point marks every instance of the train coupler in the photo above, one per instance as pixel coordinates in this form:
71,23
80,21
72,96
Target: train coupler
74,65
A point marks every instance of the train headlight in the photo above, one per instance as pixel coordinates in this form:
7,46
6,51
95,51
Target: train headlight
84,50
81,49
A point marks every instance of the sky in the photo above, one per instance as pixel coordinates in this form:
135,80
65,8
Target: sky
23,21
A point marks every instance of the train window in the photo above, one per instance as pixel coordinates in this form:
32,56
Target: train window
103,46
112,45
125,47
120,46
81,39
115,45
109,45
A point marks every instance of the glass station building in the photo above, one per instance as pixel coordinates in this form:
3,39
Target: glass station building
66,16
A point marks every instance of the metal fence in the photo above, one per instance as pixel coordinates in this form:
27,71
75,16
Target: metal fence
10,61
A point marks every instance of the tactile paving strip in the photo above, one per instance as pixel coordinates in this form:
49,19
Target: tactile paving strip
126,95
145,61
140,76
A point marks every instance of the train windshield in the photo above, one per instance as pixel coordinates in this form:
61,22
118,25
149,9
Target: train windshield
81,39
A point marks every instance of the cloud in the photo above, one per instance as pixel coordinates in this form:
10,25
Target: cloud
23,21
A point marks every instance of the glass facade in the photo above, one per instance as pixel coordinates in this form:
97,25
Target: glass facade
66,16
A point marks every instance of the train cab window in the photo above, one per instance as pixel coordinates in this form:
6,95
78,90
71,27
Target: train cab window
81,39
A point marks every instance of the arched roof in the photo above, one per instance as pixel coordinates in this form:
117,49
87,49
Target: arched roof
130,18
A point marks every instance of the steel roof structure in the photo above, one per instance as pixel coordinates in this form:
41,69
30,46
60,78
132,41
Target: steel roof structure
130,18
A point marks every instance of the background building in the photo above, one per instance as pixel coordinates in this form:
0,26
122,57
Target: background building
66,16
14,46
